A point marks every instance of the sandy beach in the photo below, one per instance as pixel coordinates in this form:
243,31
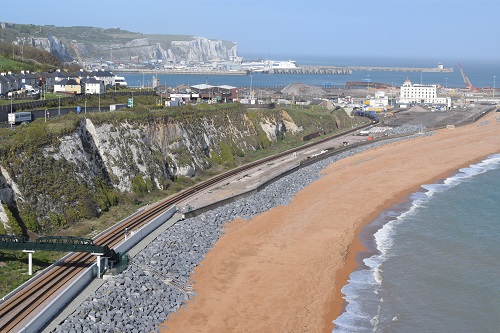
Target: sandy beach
283,270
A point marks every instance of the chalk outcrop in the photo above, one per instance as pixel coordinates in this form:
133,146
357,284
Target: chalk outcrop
80,174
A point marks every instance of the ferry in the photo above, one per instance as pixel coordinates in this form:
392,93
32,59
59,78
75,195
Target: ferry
290,64
120,80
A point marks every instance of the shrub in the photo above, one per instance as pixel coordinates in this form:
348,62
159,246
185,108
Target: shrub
12,222
139,186
226,154
29,220
215,158
264,141
105,196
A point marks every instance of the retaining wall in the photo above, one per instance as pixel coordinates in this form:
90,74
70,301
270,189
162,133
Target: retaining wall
89,274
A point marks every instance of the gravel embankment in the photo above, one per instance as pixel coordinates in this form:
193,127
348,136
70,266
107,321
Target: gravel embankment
403,129
156,282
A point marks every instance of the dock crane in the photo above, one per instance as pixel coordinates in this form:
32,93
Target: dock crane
468,85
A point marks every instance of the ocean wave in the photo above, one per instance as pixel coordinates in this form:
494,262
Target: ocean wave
362,295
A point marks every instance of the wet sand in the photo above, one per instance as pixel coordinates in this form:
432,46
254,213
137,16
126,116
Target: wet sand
283,270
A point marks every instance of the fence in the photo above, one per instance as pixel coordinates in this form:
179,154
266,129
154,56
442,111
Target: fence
30,105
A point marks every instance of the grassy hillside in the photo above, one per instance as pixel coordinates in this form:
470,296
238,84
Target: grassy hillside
7,64
32,59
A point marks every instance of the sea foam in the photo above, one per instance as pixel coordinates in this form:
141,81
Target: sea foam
362,291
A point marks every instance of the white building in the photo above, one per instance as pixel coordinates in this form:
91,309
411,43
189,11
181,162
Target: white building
93,86
421,94
378,103
107,77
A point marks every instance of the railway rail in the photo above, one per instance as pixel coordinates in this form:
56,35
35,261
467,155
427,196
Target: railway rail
15,310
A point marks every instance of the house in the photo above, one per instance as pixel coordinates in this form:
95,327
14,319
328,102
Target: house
4,84
26,78
68,86
58,76
51,79
12,83
92,86
107,77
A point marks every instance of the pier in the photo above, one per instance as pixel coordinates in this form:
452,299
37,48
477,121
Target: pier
346,70
403,69
332,70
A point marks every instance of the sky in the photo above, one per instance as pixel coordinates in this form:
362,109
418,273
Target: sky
411,29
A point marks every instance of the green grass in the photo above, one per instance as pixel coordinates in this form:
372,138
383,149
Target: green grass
14,267
14,102
7,64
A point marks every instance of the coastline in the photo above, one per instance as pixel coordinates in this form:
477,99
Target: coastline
285,268
356,251
359,251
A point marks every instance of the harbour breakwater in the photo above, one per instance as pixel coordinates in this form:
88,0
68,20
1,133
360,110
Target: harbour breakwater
329,70
343,70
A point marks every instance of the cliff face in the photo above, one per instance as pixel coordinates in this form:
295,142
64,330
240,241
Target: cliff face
200,50
50,44
197,50
117,45
80,174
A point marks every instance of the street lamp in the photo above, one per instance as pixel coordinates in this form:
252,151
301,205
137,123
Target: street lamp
45,112
446,86
392,93
85,107
99,102
494,79
251,82
59,108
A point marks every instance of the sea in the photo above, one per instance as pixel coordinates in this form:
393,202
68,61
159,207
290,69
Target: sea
431,262
481,73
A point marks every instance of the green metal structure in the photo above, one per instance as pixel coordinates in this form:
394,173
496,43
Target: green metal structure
56,243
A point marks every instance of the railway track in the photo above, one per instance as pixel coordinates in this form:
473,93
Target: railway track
21,307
